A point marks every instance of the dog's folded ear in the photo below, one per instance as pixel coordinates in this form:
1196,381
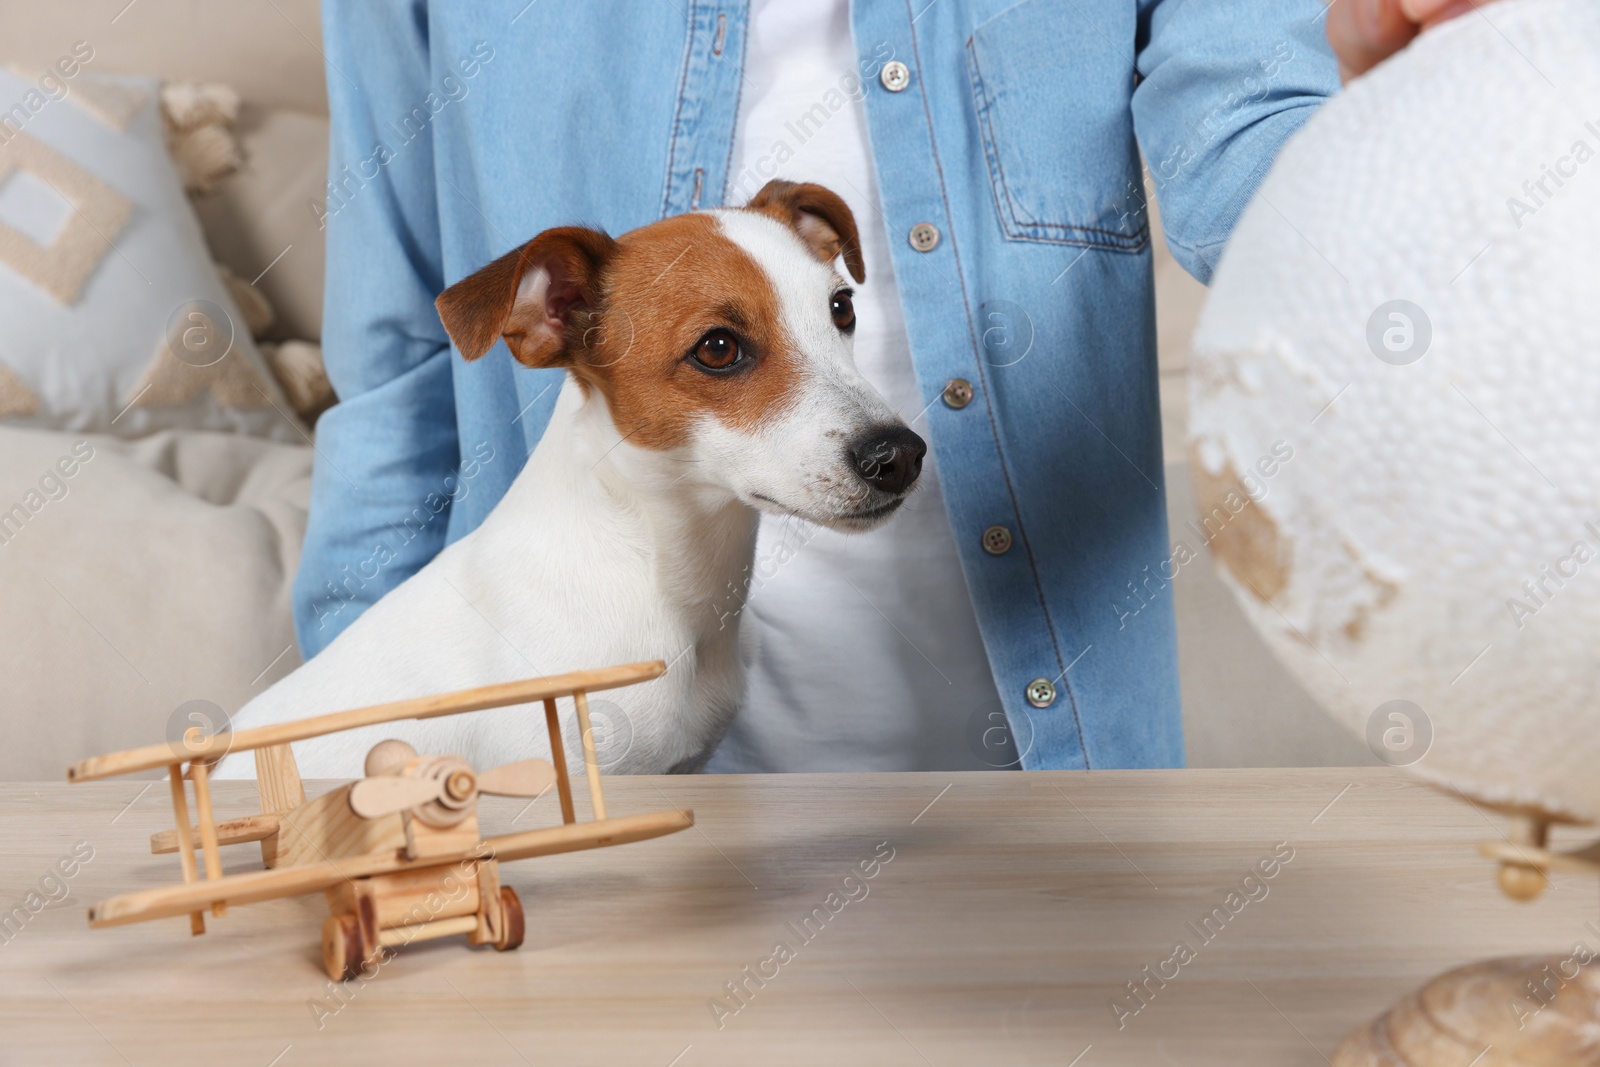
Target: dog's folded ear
532,296
821,218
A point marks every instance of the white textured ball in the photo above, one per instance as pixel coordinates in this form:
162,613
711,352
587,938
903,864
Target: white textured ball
1395,407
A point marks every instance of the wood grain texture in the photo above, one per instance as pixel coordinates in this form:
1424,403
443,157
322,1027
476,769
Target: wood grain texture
427,707
229,832
552,721
597,796
180,813
278,779
200,772
428,931
413,897
324,828
1015,908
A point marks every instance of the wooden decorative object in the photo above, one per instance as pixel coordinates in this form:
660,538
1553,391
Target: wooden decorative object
1518,1012
398,853
1524,1012
1525,858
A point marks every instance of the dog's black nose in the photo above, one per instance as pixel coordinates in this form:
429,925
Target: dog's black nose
889,458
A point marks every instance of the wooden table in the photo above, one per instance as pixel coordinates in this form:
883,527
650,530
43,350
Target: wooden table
1012,914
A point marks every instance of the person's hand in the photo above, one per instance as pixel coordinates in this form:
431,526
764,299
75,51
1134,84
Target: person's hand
1366,32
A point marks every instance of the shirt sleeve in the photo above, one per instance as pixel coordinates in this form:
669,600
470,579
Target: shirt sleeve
1220,88
384,451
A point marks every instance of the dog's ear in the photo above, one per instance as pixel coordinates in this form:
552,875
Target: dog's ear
819,216
530,296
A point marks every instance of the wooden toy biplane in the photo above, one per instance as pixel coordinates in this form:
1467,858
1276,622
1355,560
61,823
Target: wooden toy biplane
398,853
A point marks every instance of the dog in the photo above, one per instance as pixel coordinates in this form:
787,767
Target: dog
709,377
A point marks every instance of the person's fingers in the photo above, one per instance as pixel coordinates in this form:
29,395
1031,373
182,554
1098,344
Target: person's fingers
1449,9
1423,12
1364,33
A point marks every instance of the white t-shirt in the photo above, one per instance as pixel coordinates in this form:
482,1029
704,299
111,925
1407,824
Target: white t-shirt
862,651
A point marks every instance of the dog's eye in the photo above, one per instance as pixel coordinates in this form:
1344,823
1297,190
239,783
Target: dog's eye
717,350
844,310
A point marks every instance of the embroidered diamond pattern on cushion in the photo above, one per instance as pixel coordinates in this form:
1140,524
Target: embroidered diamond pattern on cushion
15,397
112,102
179,371
30,206
99,213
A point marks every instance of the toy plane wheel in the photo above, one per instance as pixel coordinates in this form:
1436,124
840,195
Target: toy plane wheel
342,948
512,925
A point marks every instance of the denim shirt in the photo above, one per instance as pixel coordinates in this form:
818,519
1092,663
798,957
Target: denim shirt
1014,131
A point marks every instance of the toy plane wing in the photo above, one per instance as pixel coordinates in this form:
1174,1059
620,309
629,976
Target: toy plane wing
257,886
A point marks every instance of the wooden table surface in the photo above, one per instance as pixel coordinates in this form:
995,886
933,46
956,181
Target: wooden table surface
1012,914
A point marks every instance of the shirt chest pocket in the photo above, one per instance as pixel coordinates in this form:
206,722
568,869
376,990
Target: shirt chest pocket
1051,87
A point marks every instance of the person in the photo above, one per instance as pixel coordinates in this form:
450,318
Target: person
1018,612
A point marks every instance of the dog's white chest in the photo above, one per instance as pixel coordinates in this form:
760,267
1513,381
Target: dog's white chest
561,576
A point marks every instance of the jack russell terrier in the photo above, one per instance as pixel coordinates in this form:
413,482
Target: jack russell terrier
709,377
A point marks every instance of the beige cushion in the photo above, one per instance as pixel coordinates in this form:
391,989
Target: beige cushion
268,50
112,317
261,210
157,573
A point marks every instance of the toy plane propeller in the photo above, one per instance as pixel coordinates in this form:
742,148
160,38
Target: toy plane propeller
410,782
398,852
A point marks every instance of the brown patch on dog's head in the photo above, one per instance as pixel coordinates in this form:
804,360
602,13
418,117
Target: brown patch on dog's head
671,284
822,219
625,315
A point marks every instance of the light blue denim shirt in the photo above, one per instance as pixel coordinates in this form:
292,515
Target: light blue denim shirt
462,129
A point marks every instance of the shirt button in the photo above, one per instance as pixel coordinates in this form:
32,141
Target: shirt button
1041,692
895,76
957,393
997,540
924,236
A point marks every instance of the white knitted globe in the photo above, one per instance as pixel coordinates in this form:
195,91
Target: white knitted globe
1395,407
